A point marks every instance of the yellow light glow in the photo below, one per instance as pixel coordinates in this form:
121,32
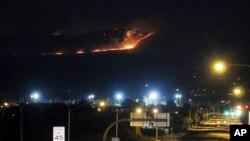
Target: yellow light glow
6,104
102,104
155,110
238,91
138,110
220,67
238,107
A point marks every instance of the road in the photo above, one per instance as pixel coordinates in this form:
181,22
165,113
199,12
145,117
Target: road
214,129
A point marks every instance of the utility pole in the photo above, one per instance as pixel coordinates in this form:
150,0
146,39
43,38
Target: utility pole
116,133
189,118
69,122
21,119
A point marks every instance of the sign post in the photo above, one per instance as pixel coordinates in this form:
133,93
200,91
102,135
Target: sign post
157,124
59,133
248,117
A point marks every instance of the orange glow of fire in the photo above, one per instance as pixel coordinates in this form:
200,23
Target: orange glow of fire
59,53
132,40
80,52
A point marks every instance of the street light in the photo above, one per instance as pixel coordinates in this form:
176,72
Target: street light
102,104
138,110
238,110
91,98
220,67
178,99
155,110
238,91
118,97
153,97
35,96
6,104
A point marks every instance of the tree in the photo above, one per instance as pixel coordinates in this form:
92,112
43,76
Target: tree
171,106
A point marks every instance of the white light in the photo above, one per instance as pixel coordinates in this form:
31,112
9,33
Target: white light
238,107
178,96
118,96
35,96
238,113
91,96
153,95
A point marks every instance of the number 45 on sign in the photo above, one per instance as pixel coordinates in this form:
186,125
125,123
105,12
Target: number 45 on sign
58,133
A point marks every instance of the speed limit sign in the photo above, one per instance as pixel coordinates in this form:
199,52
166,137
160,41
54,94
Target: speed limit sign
58,133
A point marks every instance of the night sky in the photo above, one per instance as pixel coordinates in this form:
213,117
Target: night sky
188,35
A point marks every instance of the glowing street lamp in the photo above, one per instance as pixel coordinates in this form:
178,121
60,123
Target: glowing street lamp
220,67
102,104
6,104
238,110
91,97
138,110
178,99
119,96
35,96
153,95
178,96
155,111
238,91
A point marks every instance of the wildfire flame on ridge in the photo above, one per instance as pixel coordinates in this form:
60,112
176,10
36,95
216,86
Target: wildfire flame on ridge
131,40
